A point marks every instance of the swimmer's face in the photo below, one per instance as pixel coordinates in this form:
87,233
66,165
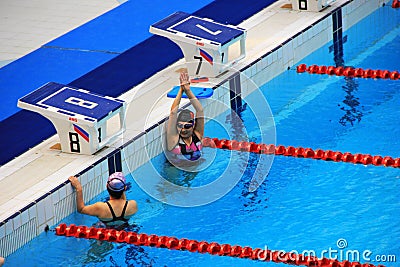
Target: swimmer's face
185,128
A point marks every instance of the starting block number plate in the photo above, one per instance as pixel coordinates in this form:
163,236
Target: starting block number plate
82,103
208,30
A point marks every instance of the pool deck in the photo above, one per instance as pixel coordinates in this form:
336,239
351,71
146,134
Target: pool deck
42,168
26,25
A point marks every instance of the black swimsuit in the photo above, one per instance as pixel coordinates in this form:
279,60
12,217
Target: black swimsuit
115,218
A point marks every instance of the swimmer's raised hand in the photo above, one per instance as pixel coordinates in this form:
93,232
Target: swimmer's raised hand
184,80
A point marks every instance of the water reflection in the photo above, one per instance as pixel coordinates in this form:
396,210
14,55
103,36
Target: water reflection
351,103
109,253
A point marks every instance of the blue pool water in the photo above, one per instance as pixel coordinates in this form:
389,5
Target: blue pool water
303,204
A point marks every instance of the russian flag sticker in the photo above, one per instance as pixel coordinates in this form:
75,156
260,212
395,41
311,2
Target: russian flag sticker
206,56
81,132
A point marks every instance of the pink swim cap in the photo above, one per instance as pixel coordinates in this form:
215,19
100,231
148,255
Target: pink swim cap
116,182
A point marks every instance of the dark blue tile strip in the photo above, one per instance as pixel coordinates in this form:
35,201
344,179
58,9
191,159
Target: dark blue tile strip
115,162
118,161
337,32
111,165
235,89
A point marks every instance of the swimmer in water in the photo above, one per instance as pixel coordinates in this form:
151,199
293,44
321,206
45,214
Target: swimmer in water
114,212
185,130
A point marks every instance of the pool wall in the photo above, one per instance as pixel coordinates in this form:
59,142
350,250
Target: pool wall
54,206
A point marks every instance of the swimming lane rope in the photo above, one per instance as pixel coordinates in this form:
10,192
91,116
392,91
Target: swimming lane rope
349,72
301,152
213,248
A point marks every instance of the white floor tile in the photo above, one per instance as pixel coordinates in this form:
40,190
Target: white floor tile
25,25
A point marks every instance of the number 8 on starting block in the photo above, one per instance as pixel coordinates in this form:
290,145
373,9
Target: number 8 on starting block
81,118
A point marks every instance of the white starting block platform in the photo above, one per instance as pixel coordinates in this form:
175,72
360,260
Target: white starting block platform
80,117
204,43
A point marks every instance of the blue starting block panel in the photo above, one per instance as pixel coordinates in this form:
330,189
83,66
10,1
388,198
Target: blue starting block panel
199,28
202,39
199,92
80,117
72,102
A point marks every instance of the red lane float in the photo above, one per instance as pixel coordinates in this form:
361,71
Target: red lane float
396,4
213,248
349,72
301,152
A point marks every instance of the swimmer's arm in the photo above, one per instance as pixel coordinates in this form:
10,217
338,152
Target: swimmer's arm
194,101
172,133
199,127
80,204
177,101
134,206
94,209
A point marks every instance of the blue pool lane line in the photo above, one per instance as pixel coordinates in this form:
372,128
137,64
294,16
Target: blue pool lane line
122,71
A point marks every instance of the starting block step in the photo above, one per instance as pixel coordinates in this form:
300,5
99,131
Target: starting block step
199,92
79,116
204,43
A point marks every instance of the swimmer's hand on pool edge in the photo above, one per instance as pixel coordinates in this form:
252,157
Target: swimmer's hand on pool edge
75,183
80,205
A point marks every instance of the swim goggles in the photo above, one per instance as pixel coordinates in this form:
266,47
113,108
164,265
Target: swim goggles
185,125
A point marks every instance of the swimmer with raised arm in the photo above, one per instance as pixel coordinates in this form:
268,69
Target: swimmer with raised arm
185,130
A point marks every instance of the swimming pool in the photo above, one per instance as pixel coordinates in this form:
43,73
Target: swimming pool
303,204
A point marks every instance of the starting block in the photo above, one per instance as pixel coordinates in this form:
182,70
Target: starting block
204,43
80,117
